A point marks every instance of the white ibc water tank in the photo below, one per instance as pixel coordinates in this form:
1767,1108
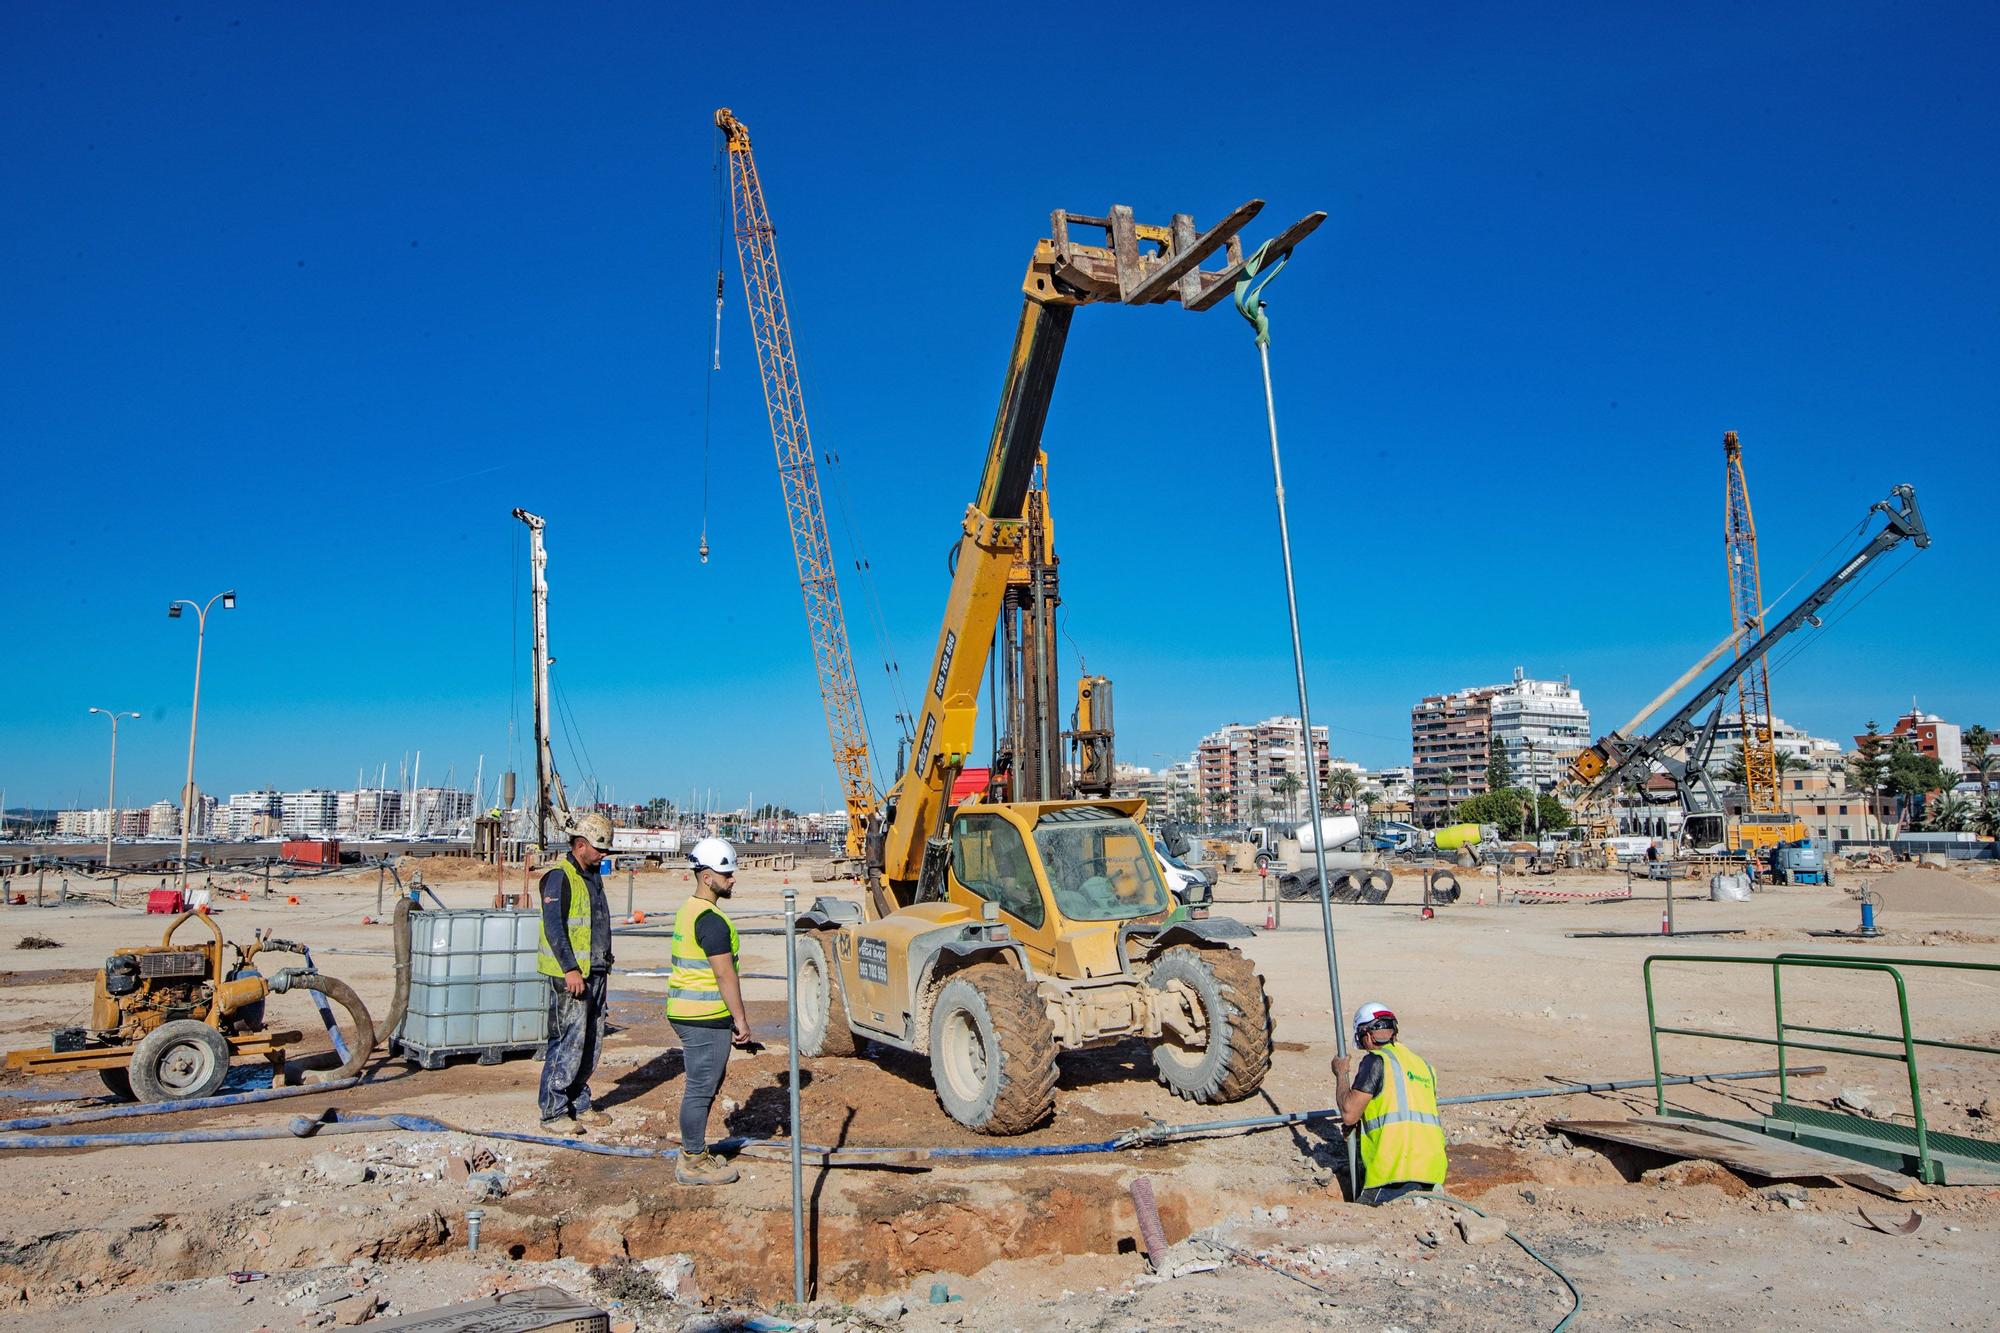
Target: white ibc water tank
1336,830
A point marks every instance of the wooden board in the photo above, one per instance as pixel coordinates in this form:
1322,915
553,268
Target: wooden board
1742,1150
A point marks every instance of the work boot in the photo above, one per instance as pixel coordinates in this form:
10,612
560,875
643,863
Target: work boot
592,1119
703,1168
562,1126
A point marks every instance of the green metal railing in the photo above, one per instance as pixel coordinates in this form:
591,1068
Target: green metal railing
1906,1042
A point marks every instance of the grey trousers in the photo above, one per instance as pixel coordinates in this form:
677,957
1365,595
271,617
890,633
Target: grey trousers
706,1051
576,1033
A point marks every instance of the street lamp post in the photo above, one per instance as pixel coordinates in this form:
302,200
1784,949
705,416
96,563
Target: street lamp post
228,600
1534,787
111,797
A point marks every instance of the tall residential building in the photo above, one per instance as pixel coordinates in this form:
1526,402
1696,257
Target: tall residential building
1251,772
163,820
438,809
1538,724
369,812
253,814
1807,751
313,813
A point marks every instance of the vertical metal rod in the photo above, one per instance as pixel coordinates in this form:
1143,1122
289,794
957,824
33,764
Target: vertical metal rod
1670,905
630,876
267,884
1305,710
379,873
792,1064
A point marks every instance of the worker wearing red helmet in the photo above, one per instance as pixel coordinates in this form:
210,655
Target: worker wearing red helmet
1393,1100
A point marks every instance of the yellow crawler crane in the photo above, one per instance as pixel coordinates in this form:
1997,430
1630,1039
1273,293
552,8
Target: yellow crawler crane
997,933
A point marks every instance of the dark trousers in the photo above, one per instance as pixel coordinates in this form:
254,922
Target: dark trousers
576,1034
706,1053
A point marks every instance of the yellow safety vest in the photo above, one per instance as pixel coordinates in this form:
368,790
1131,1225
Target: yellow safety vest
579,927
1401,1136
692,989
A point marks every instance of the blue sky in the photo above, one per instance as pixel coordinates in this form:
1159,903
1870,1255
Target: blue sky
304,300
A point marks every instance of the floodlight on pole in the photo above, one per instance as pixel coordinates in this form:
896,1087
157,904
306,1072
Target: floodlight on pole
228,600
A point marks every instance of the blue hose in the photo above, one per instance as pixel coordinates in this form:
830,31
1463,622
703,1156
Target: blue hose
170,1108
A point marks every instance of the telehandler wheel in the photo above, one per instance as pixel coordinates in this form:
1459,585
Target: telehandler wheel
993,1050
179,1060
1228,996
823,1026
117,1082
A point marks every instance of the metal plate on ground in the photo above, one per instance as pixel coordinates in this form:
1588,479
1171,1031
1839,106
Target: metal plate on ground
1740,1150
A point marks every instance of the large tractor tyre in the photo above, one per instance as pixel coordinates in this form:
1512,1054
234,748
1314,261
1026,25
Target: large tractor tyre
117,1082
993,1050
1228,996
823,1026
179,1060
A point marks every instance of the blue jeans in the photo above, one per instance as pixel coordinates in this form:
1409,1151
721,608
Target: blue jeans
576,1033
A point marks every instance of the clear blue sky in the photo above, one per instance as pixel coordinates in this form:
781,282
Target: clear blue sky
304,300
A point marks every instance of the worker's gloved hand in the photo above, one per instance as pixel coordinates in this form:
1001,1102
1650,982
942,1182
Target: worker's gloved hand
573,980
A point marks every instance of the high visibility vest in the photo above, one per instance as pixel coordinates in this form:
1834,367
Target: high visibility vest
692,989
579,927
1402,1138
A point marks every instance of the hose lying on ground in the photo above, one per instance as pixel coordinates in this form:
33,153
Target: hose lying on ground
169,1108
1575,1296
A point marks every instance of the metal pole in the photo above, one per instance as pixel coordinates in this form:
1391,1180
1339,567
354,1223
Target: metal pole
111,797
194,718
792,1063
629,876
1305,709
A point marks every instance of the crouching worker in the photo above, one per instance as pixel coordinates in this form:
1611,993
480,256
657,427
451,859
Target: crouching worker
1393,1099
705,1005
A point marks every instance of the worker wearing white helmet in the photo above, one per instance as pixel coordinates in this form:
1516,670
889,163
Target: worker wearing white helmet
1393,1100
705,1005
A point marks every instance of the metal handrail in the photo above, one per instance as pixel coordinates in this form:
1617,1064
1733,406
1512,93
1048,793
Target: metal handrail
1784,1043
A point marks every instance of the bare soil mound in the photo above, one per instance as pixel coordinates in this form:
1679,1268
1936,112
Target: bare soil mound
1922,889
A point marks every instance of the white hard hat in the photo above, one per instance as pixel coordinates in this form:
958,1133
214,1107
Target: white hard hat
1370,1013
714,854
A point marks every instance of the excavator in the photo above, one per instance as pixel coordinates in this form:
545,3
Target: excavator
1028,916
1682,746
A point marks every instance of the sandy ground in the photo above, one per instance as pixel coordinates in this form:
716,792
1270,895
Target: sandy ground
1496,996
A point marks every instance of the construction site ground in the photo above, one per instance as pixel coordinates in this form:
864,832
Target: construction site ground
349,1229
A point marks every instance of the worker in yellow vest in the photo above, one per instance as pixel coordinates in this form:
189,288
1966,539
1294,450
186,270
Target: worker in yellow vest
575,955
1393,1100
705,1005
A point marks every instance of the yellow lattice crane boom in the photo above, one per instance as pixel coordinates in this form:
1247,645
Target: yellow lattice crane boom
1746,611
798,479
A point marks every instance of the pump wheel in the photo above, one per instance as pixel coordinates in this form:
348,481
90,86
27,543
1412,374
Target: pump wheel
1223,991
993,1050
823,1026
179,1060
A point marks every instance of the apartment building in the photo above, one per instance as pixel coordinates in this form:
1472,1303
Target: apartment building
312,813
1251,772
1537,724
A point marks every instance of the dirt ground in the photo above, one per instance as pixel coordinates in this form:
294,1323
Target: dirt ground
346,1229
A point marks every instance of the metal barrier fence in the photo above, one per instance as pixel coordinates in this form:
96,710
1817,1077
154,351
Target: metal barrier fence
1920,1144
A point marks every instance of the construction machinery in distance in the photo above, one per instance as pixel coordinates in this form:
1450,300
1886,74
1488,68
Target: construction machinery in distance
1765,822
1004,924
1681,747
552,812
798,481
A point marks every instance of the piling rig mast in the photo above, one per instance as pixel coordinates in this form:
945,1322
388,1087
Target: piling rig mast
798,479
552,812
1681,747
1746,613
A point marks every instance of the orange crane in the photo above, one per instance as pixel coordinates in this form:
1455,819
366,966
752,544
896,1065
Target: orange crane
1762,796
798,479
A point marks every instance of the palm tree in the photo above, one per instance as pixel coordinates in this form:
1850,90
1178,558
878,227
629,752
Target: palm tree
1342,784
1288,786
1980,761
1951,813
